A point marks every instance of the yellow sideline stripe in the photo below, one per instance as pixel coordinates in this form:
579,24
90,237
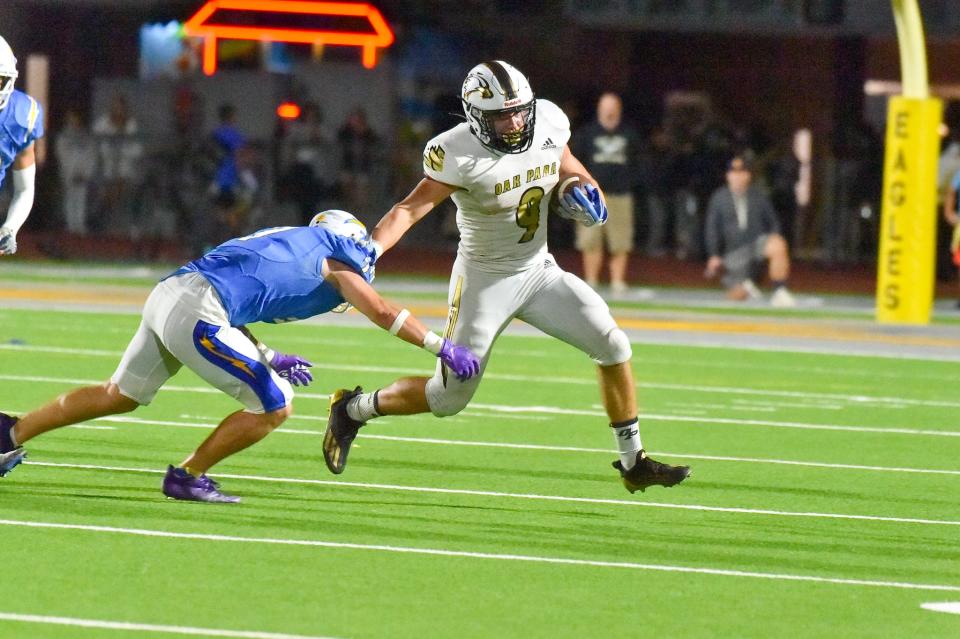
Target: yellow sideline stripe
747,327
72,296
784,330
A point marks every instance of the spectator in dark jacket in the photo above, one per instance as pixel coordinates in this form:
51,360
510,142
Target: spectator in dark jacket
742,230
610,149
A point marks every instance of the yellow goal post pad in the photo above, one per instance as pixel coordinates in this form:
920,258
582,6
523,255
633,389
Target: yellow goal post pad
906,261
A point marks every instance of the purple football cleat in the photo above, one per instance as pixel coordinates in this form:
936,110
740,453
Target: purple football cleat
179,484
10,455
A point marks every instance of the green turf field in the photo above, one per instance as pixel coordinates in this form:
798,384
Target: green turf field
823,500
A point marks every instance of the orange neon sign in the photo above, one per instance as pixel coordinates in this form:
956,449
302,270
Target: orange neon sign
288,111
201,25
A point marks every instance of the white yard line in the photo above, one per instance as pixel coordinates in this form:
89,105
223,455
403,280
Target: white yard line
552,410
867,371
101,624
858,399
209,425
547,447
891,430
951,607
639,336
691,362
528,496
482,555
206,390
606,451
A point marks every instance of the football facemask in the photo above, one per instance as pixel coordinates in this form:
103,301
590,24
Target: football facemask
8,72
496,91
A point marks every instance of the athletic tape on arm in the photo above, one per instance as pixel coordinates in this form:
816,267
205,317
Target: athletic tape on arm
398,322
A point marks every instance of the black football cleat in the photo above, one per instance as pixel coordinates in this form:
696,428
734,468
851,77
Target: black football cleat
341,430
649,472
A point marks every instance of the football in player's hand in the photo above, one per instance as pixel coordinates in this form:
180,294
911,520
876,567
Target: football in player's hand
568,181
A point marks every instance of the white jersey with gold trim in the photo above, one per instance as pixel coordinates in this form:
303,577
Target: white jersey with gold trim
502,199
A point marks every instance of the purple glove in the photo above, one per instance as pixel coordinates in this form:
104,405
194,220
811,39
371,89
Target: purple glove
292,368
459,359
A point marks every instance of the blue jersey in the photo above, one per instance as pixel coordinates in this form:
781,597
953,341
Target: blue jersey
275,275
230,140
21,122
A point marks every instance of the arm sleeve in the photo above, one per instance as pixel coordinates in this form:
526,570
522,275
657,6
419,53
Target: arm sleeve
22,202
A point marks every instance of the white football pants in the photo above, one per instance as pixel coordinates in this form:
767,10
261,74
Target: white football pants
482,304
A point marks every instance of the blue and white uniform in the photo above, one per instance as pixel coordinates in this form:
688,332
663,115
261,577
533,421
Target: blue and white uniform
193,316
21,124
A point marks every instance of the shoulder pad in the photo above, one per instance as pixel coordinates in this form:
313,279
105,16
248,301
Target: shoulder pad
552,114
28,113
441,155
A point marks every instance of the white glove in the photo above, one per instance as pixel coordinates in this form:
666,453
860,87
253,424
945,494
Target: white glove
8,241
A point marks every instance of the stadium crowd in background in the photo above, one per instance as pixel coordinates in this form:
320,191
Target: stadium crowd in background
827,207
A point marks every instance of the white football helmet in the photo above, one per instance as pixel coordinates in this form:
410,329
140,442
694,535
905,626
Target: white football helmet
341,223
494,89
8,72
345,224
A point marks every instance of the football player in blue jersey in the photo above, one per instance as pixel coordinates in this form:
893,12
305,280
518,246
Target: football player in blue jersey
197,316
21,124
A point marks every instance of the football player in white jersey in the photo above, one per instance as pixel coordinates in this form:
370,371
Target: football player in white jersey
500,167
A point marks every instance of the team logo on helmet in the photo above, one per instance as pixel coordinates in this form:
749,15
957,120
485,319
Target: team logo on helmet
340,223
476,83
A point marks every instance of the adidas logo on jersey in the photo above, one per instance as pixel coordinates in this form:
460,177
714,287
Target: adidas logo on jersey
548,145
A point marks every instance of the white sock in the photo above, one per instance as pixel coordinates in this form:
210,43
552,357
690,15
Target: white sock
627,435
363,407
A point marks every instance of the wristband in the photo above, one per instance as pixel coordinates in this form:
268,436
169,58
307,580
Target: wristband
432,342
377,249
398,322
